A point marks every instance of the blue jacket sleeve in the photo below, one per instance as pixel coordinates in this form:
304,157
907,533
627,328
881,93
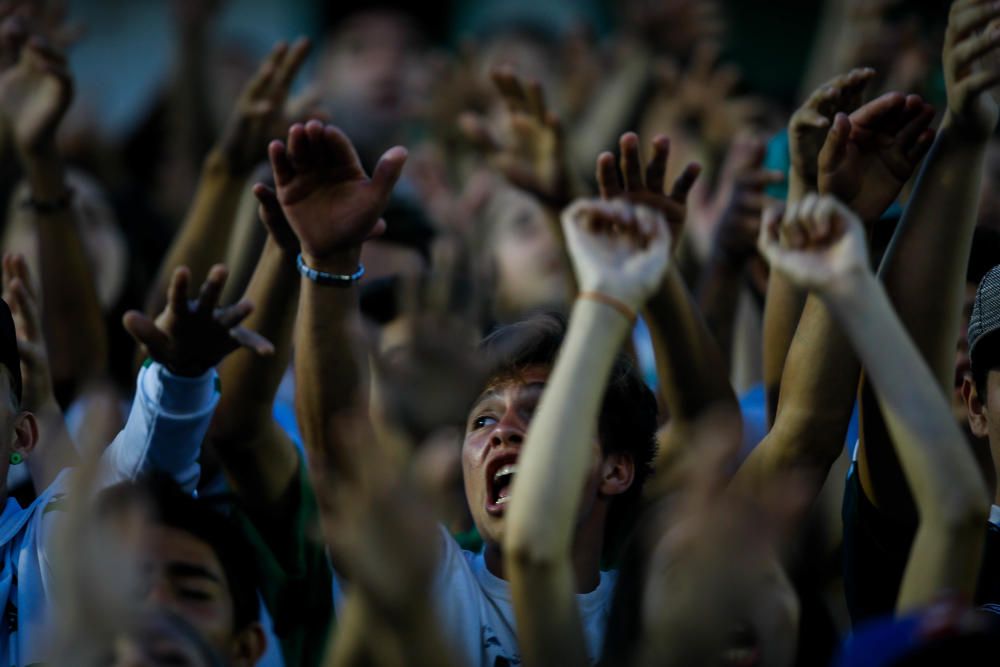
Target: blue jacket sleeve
165,429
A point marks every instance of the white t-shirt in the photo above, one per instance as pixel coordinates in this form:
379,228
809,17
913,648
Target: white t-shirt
477,614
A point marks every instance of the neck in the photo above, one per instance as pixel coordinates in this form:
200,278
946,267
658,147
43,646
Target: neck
588,544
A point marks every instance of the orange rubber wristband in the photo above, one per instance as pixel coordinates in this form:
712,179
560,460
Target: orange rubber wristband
611,301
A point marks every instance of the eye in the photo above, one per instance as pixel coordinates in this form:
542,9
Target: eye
194,594
483,421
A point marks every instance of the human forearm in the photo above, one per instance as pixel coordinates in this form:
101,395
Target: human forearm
203,237
71,313
549,629
553,469
258,458
947,487
818,386
935,234
690,366
929,444
783,306
718,299
554,464
328,377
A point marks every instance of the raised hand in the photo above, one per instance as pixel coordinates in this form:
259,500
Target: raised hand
532,155
737,227
817,243
628,179
270,213
190,337
20,293
869,155
34,96
329,201
704,96
260,107
617,249
809,125
971,68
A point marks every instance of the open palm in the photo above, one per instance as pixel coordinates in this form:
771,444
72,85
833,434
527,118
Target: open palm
34,96
328,200
869,155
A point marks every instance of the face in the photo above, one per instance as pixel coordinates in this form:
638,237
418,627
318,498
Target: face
187,579
530,269
373,65
494,435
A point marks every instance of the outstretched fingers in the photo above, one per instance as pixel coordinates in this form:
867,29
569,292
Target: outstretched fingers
607,176
656,170
631,162
685,182
211,290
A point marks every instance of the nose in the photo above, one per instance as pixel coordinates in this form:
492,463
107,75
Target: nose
157,592
508,431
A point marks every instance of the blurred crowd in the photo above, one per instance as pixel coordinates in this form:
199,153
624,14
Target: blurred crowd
717,280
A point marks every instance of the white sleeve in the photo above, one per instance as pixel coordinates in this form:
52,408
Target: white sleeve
166,426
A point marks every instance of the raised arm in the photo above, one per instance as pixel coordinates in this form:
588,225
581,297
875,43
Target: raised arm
259,459
34,97
690,368
202,239
807,132
924,267
332,207
828,254
619,255
176,391
531,151
733,241
55,449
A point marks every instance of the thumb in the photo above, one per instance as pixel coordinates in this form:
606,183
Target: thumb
388,169
269,209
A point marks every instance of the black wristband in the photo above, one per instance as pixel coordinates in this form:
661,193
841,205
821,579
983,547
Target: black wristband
43,207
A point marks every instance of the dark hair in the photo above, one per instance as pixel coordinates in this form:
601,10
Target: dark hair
627,423
171,506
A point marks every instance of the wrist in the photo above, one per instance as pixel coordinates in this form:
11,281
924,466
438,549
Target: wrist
341,262
45,175
848,283
611,311
798,185
965,134
220,165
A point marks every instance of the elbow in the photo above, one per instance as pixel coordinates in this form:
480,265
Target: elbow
962,509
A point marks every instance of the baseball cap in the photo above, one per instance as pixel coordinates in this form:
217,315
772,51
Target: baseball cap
985,318
9,356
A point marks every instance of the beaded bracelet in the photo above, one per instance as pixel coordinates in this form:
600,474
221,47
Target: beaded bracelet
329,279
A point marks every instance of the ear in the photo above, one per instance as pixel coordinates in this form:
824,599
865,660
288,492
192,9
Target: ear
248,646
978,422
25,433
617,473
